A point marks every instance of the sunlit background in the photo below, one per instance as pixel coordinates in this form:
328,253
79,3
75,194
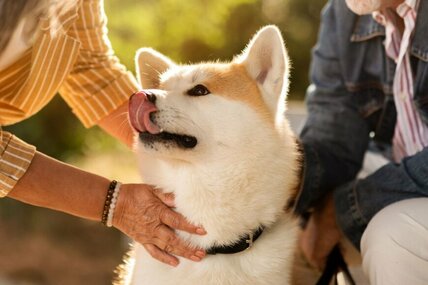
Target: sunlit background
39,246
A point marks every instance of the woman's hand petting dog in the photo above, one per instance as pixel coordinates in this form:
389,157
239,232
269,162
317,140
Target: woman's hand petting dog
320,235
145,214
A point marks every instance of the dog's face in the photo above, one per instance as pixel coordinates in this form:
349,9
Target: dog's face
211,109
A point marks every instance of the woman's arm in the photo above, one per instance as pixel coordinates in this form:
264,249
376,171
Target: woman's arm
52,184
141,212
117,125
98,83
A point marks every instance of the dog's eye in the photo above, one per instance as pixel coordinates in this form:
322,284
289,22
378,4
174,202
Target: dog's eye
198,90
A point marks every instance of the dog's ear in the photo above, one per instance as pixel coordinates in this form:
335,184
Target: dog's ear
150,64
266,61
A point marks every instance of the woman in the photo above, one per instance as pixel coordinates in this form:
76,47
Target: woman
49,46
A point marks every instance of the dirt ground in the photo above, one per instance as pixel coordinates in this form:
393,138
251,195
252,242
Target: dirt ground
43,247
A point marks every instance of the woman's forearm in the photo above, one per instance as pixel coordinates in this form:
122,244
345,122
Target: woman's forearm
117,125
52,184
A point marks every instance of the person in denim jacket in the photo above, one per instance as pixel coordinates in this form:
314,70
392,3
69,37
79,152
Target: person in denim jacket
352,106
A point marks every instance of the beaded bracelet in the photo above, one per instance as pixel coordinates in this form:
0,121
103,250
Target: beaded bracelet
113,204
110,203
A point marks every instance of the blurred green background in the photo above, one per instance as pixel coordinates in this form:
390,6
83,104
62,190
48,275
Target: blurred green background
187,31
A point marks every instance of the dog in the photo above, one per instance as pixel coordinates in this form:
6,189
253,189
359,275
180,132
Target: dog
215,135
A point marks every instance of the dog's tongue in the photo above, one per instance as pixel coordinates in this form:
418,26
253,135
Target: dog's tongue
140,109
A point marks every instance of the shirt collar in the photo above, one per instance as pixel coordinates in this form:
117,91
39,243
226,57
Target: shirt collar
412,4
366,27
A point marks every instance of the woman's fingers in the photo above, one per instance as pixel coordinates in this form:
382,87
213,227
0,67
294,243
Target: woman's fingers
178,222
161,255
173,219
168,241
321,234
144,214
167,244
166,198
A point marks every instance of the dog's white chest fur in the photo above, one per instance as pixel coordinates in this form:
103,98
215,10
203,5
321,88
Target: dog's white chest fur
239,174
227,204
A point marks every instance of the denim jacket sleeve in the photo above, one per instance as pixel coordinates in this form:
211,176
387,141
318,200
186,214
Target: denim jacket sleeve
357,202
335,136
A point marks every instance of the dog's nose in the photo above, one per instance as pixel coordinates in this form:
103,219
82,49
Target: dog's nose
144,95
151,97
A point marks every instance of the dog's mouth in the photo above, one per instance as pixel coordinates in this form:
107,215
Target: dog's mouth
183,141
142,112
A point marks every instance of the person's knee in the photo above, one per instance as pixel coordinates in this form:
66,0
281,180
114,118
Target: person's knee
378,242
395,241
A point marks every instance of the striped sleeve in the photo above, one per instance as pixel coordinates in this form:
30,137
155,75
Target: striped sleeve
98,83
15,158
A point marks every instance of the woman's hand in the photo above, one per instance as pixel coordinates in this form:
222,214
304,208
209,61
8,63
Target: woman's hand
320,235
144,214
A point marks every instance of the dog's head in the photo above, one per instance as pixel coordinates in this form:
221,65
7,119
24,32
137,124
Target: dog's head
211,109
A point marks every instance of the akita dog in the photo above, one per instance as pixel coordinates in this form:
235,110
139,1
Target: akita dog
215,135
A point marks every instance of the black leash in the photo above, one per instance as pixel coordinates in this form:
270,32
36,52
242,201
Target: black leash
335,264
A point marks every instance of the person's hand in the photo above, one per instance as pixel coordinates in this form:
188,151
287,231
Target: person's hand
144,214
320,235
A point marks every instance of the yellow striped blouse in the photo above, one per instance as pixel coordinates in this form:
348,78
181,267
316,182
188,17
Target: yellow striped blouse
78,62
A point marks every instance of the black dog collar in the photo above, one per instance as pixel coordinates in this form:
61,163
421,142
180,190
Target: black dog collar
244,243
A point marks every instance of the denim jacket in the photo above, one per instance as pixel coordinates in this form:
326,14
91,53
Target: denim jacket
350,106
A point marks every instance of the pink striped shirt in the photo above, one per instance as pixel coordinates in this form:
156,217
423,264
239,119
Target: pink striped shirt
411,134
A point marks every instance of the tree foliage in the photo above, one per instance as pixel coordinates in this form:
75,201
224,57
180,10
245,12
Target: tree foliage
192,31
